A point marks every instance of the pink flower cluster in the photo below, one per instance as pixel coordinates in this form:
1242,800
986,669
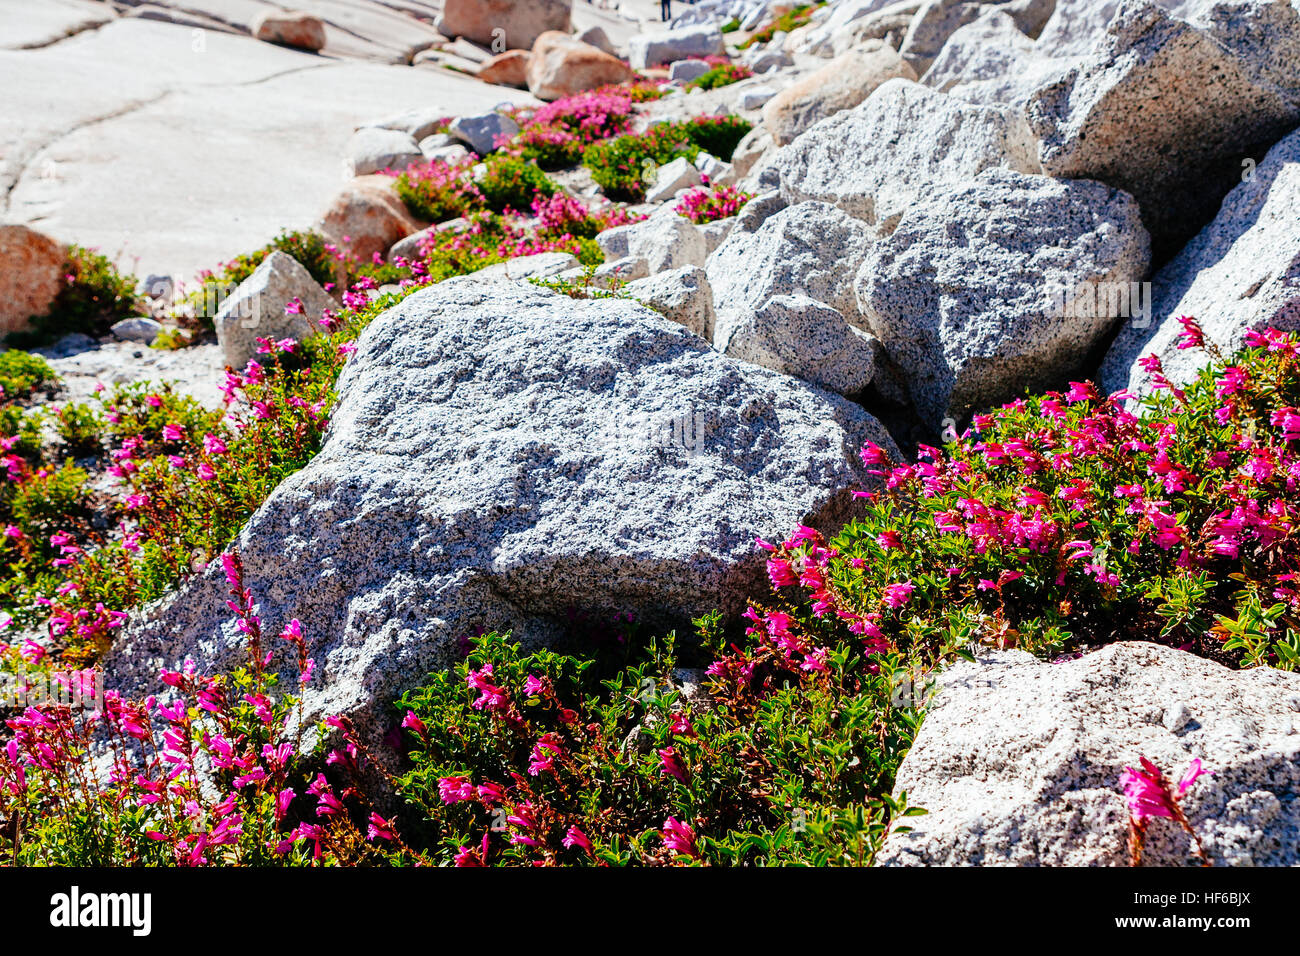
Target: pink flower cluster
709,204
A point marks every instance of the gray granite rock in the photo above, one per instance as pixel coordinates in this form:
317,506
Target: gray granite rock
664,242
853,22
1078,27
1167,111
930,29
755,144
1019,762
161,287
811,249
808,339
784,298
1241,272
766,61
683,71
419,124
481,132
451,155
255,309
993,63
715,233
758,210
137,329
621,270
902,142
373,149
715,170
1030,16
597,37
669,46
755,97
973,295
500,455
682,295
672,177
438,141
410,247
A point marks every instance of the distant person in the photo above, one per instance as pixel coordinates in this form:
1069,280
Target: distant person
666,9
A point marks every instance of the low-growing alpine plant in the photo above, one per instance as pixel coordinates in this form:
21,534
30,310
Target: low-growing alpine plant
1067,520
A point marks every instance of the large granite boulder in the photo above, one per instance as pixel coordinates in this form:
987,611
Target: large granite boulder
991,62
840,85
1167,110
503,456
902,142
367,217
930,29
989,288
561,65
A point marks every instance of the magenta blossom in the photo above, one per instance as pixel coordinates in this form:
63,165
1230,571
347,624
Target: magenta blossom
896,595
679,837
1148,791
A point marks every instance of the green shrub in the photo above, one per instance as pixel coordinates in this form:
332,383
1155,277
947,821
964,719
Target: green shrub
307,247
589,252
718,135
625,166
510,182
93,298
50,502
524,758
22,373
24,425
790,20
82,428
724,74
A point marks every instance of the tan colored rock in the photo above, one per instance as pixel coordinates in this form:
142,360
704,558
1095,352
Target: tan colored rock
368,217
31,274
506,69
561,65
840,85
290,28
503,24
